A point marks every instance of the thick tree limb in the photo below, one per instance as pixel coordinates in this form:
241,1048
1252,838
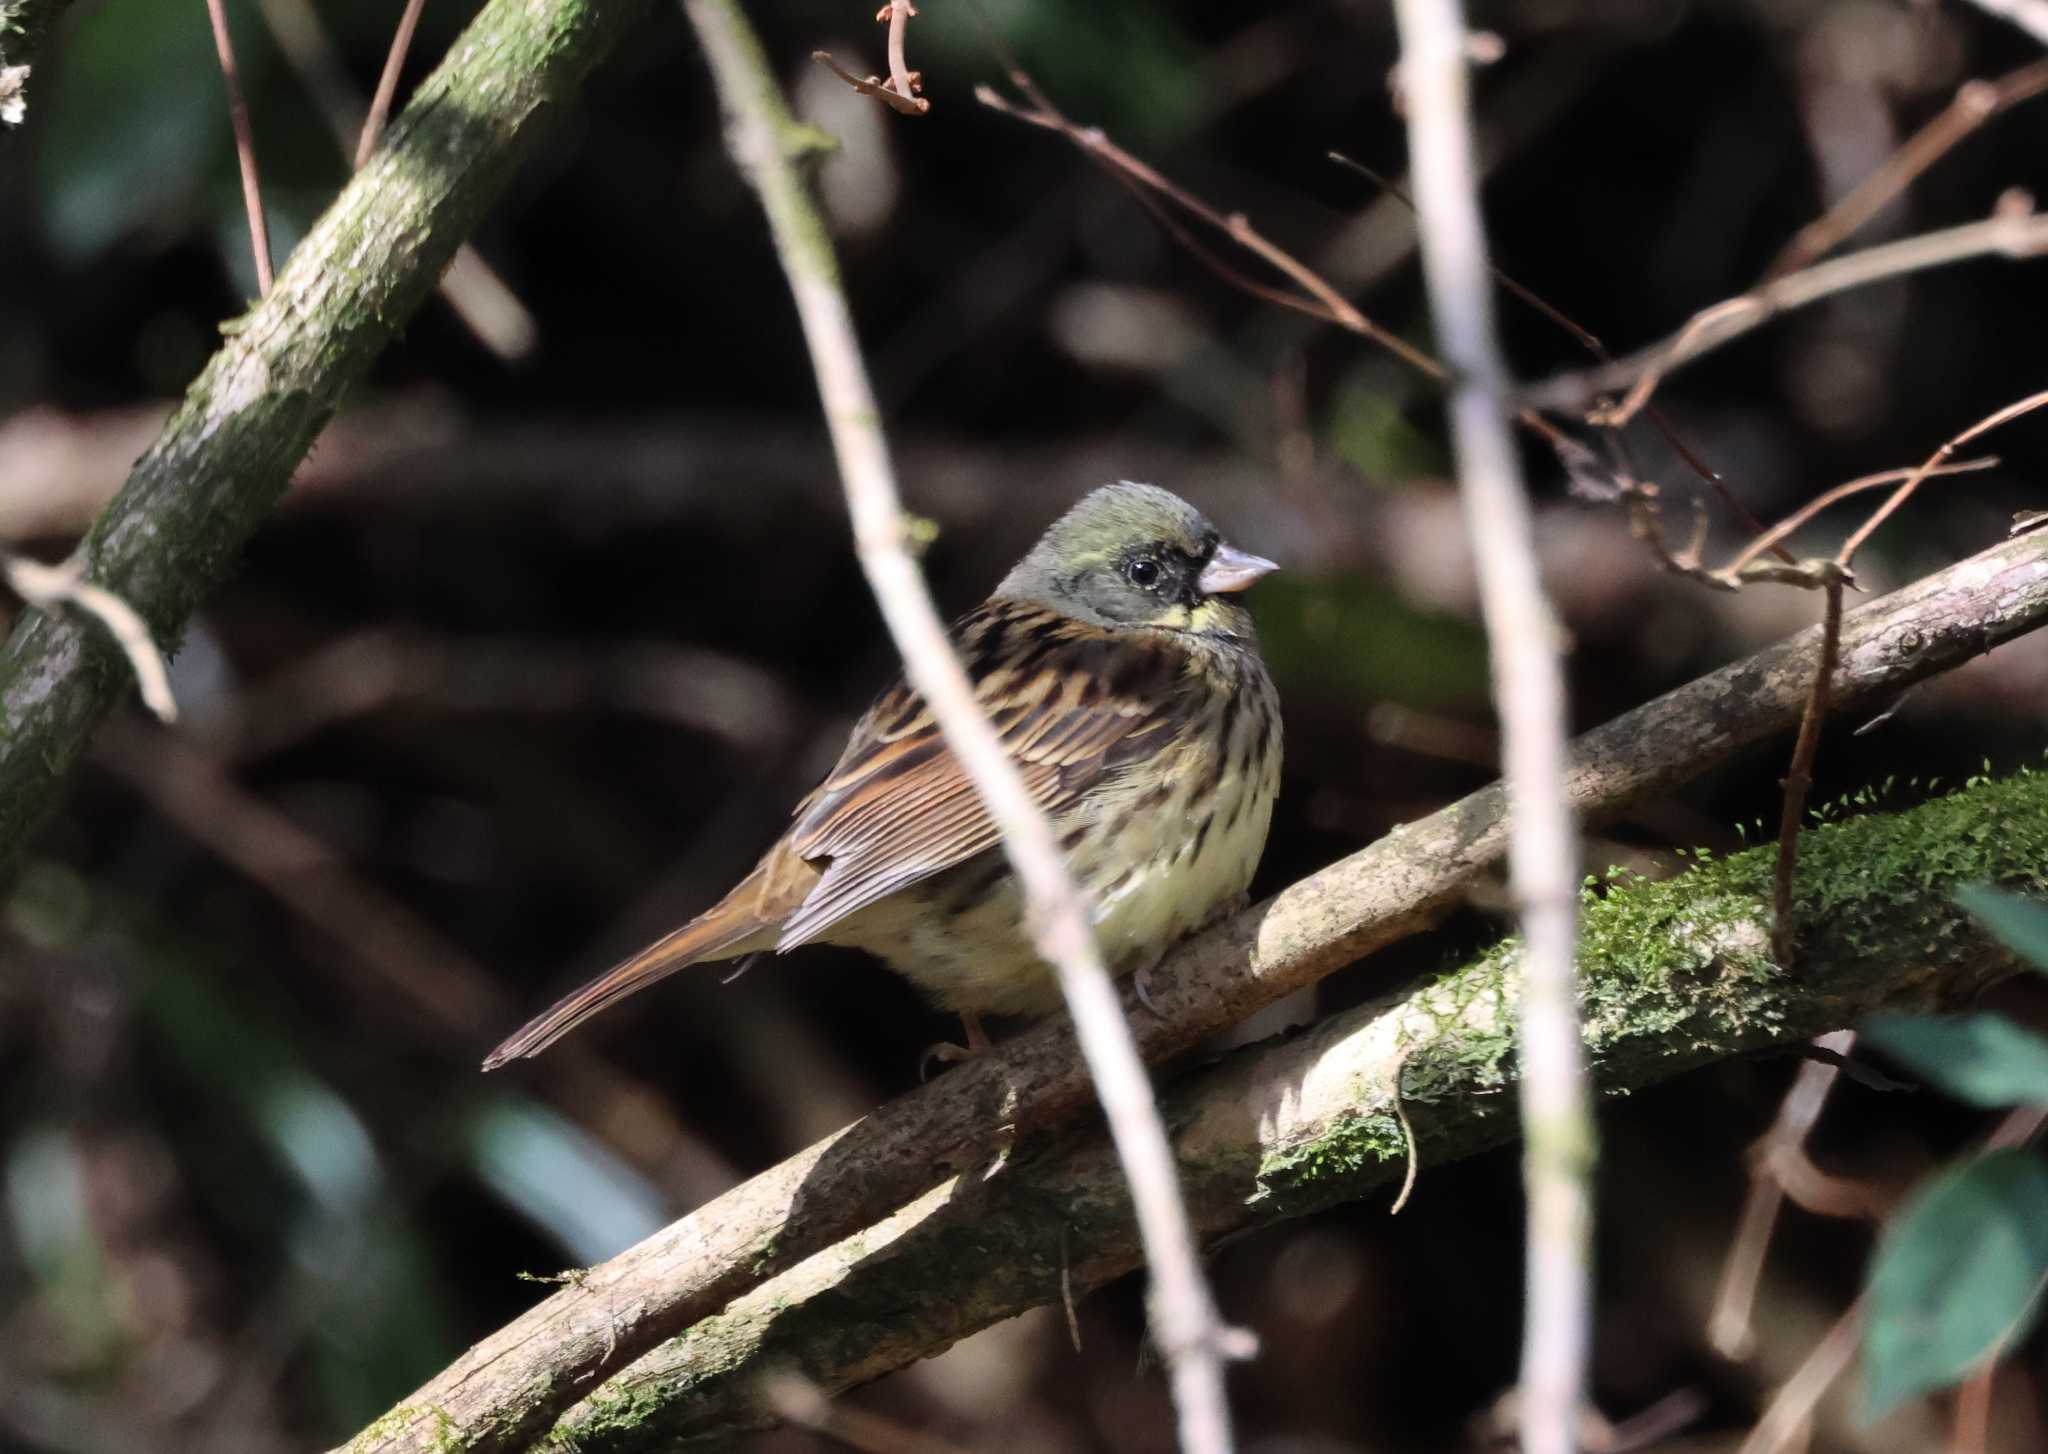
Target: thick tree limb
1673,975
225,457
520,1378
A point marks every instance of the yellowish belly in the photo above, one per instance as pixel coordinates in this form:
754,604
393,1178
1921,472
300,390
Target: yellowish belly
1153,870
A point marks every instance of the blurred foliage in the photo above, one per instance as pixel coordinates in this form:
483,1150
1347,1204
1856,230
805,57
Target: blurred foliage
1959,1273
1957,1276
1359,644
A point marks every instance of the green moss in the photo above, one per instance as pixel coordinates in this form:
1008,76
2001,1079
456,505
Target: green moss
1352,1144
1684,965
614,1410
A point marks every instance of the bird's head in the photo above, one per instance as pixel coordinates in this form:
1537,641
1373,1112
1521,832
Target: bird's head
1139,556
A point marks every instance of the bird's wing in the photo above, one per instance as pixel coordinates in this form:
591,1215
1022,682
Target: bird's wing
1073,704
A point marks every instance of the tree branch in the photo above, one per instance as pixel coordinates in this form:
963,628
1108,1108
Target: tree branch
1674,975
1186,1325
225,457
2010,234
1522,638
516,1381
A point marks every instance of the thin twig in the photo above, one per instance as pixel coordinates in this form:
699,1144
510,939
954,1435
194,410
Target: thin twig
52,587
1789,1416
903,79
1847,555
1799,777
1976,102
1972,1418
387,82
1770,538
245,145
1728,1325
481,298
900,90
1790,1413
1188,1330
1522,636
2006,234
1592,344
1317,298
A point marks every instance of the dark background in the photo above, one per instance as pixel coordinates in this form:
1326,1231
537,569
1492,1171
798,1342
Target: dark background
539,654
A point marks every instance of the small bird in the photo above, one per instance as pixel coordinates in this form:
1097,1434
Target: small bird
1123,676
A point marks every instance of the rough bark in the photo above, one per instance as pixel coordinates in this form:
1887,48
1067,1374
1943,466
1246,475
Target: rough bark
515,1382
1672,975
225,457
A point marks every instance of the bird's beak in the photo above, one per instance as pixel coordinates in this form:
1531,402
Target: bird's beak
1231,569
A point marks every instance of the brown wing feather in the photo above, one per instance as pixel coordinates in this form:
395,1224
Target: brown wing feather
1073,705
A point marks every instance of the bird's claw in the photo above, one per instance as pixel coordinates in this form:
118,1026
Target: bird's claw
944,1053
947,1053
1141,986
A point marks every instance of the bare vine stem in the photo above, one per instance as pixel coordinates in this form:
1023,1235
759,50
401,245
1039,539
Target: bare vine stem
1190,1333
245,145
1522,633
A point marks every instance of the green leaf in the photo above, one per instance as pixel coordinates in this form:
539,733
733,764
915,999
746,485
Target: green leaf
137,117
1957,1277
1986,1060
2021,925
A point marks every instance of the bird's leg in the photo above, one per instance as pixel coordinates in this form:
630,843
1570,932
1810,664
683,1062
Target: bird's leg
947,1053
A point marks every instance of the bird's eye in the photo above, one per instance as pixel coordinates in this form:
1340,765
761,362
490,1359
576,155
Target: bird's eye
1143,572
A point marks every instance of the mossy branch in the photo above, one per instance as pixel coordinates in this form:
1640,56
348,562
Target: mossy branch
1672,975
225,457
528,1373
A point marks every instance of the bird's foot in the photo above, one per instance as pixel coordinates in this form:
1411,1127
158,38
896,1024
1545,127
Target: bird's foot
1141,983
947,1053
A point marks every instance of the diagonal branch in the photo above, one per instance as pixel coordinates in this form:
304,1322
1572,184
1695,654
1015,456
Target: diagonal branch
1676,974
1185,1322
525,1374
225,457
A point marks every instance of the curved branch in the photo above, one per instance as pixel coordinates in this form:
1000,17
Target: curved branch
225,457
535,1367
1674,975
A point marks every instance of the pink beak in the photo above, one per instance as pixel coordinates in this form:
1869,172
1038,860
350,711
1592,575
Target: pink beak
1230,570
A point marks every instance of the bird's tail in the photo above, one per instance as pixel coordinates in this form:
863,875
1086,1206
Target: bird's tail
722,930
